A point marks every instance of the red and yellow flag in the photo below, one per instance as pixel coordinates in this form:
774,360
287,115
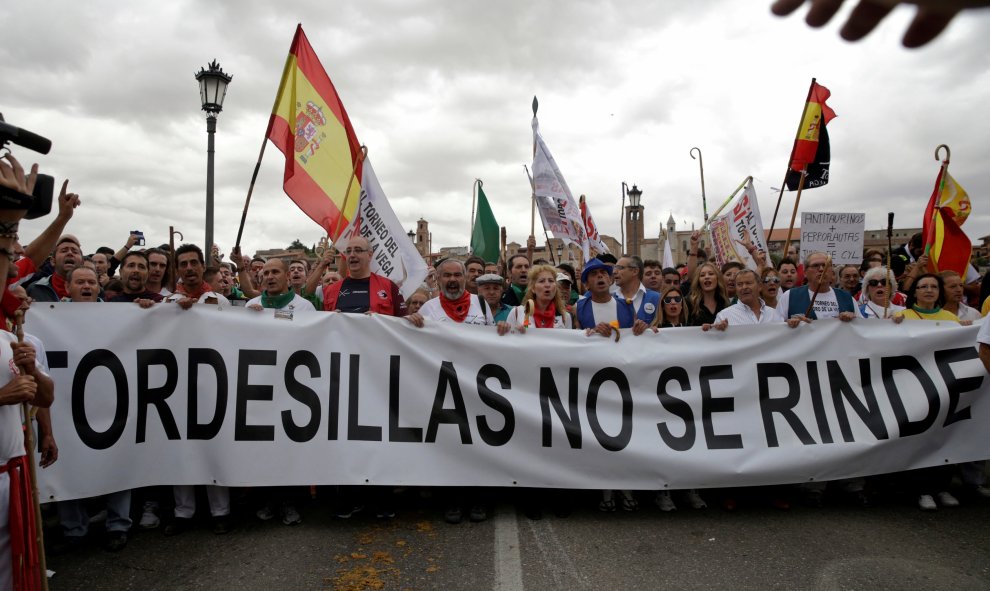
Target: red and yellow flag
946,244
816,115
311,128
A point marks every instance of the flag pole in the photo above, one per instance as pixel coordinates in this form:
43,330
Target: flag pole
890,248
727,201
247,200
701,165
783,185
29,445
474,197
797,201
938,202
347,192
502,249
532,217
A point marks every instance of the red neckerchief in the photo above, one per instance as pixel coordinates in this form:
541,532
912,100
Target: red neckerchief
58,284
457,309
544,318
183,289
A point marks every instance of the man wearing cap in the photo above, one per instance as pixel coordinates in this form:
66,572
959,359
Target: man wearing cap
455,303
490,286
53,288
629,290
598,311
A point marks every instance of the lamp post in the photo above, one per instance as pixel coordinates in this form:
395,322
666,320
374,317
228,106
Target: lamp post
634,216
212,90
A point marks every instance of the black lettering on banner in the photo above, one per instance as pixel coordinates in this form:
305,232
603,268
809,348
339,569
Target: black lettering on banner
907,427
678,408
869,413
195,429
817,403
609,442
147,396
304,394
782,406
247,392
711,405
333,398
550,396
355,430
89,436
957,386
454,416
395,432
496,402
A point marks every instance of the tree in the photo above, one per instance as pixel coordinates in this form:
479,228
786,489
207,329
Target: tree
298,245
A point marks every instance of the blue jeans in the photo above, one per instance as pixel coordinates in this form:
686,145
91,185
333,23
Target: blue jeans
75,519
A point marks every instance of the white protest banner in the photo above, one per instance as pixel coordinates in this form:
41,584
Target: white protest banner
839,235
559,212
732,230
393,254
237,397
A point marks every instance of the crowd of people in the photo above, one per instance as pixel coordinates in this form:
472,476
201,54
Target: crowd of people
607,295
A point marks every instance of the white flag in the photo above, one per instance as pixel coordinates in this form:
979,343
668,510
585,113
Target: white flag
591,228
668,257
393,254
559,211
731,230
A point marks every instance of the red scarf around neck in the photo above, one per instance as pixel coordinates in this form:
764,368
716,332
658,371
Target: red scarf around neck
58,284
183,289
544,318
457,309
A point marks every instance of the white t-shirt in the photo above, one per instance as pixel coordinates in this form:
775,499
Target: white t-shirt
740,314
873,310
826,304
221,300
518,315
605,312
11,436
984,335
433,310
298,304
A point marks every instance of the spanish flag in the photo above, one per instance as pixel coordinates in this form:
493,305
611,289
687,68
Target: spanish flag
812,154
311,128
947,246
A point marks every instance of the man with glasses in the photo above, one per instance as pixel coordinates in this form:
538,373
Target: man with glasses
629,289
795,304
363,291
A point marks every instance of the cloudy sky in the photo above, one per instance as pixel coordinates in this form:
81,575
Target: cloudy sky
440,93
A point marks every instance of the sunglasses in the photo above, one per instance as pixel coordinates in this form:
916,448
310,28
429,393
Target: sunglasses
771,280
876,282
673,300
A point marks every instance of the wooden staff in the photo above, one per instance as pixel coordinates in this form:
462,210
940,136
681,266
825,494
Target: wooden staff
783,185
170,278
29,444
474,198
247,201
938,203
347,193
502,251
701,165
797,201
890,248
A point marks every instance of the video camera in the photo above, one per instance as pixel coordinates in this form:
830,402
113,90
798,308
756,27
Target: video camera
39,203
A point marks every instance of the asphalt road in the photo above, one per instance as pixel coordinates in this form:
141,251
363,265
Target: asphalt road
889,546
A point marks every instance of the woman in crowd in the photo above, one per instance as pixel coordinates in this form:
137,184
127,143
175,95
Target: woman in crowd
925,300
707,296
547,309
770,288
416,301
878,284
673,313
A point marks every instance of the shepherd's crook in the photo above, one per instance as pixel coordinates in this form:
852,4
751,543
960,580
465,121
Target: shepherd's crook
701,165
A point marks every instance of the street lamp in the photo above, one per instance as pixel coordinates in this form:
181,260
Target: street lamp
212,90
634,195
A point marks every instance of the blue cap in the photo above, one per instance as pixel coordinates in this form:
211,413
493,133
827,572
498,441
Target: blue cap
591,266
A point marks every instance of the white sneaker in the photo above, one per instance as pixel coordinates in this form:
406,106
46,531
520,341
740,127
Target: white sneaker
664,502
927,503
149,516
981,491
947,500
695,500
265,513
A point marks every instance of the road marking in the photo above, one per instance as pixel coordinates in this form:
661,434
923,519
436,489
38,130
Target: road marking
508,564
